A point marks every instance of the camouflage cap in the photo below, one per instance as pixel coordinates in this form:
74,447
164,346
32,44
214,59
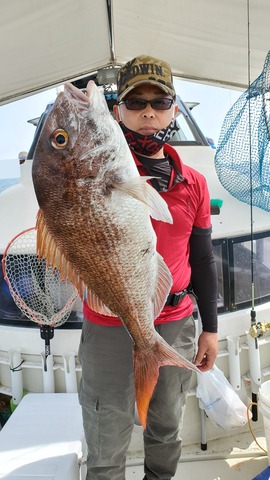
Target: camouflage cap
144,69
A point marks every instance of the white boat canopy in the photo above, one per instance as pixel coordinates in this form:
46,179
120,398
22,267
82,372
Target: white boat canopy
43,44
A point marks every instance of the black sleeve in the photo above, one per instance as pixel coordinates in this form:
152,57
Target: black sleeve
204,277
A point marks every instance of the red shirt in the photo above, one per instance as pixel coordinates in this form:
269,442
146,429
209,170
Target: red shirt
189,204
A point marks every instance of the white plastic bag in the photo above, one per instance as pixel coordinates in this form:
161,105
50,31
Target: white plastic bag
220,401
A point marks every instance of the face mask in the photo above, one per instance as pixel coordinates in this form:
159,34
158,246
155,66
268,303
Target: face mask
149,145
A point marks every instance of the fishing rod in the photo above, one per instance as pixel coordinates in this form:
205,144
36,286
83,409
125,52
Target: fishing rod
252,312
253,351
256,329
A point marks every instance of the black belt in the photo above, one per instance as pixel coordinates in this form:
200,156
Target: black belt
174,298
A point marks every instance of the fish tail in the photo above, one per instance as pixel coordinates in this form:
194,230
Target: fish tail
146,372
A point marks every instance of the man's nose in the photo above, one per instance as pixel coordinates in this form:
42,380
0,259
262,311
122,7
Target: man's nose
148,111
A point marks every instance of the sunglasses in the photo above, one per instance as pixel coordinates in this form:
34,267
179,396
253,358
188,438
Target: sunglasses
140,103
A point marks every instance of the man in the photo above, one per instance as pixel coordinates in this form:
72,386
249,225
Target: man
146,113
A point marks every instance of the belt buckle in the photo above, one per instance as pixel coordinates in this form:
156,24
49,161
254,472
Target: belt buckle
177,298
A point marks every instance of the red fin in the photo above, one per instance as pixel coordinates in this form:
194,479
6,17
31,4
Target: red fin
49,250
146,371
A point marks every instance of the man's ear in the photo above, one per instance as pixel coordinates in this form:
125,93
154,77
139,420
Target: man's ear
116,113
175,110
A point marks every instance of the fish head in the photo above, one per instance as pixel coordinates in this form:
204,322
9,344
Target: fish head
79,139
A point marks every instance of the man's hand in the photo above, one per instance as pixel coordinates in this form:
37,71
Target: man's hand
207,351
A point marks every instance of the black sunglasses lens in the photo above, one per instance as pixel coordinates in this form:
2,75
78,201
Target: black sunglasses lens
135,103
161,103
156,104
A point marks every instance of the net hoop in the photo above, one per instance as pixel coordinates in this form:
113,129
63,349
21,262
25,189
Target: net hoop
37,289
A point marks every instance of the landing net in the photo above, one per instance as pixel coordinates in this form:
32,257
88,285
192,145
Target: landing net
242,159
36,289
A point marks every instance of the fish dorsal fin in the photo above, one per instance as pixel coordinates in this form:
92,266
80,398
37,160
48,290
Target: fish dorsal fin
164,285
96,304
47,248
138,188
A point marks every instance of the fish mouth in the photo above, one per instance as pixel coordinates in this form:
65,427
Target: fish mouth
76,94
83,96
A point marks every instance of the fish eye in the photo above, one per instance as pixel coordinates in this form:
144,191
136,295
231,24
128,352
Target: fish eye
59,138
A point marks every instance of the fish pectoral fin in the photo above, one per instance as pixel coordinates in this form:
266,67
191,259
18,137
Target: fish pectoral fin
96,304
146,370
138,188
164,284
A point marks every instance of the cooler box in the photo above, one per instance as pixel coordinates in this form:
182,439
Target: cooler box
43,439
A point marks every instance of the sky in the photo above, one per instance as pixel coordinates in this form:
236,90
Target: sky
16,134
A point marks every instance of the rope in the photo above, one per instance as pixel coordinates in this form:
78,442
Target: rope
250,428
18,368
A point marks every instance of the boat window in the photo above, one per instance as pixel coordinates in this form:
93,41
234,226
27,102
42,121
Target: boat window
234,259
189,132
219,255
241,254
184,133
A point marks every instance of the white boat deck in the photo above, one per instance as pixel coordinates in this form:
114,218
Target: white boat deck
240,469
233,458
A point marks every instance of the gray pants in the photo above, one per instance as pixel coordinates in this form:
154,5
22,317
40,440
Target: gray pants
107,398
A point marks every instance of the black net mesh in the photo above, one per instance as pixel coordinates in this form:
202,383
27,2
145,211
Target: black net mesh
242,159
